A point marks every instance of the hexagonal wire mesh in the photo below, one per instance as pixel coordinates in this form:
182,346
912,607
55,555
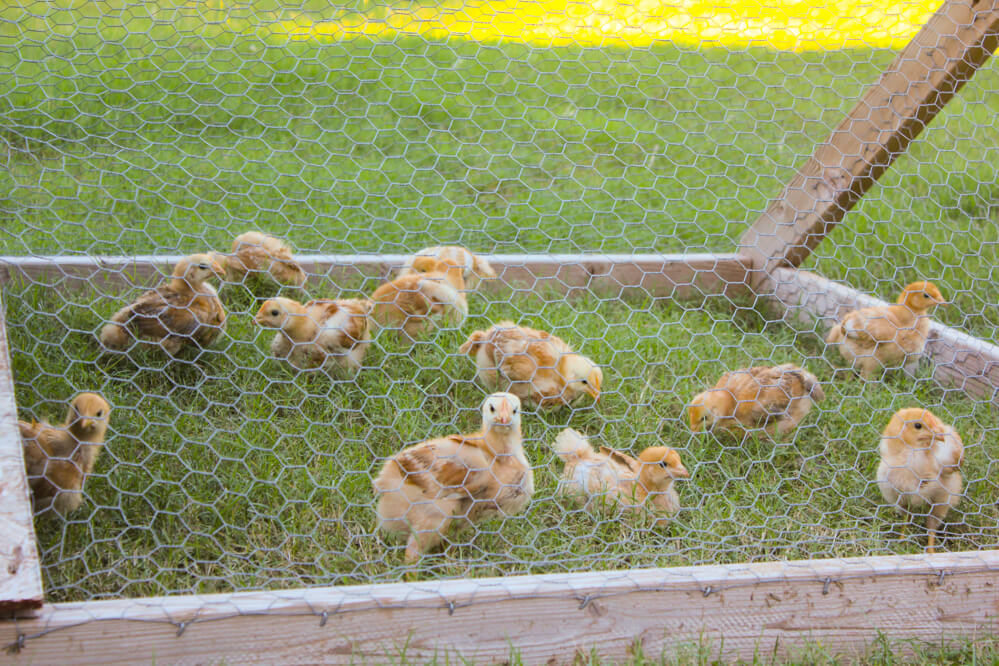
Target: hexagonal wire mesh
521,129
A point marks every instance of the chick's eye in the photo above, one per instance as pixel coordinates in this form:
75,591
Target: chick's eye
492,408
100,413
274,313
203,267
919,426
585,382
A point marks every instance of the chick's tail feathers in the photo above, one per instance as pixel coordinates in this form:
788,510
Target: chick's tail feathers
570,445
475,340
836,334
443,293
115,335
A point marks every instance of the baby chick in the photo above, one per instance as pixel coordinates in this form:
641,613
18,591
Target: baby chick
256,253
184,310
774,398
534,365
426,488
889,336
409,302
618,476
319,332
475,268
58,459
919,470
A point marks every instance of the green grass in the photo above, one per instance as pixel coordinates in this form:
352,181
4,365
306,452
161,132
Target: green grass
121,135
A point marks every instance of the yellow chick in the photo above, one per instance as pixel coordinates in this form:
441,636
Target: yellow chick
58,459
254,253
532,364
184,310
409,303
615,475
318,333
773,398
474,267
426,488
889,336
919,471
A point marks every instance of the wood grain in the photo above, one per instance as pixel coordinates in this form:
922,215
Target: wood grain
737,611
957,40
960,361
20,575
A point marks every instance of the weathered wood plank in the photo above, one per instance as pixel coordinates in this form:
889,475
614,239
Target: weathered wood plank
661,276
941,58
959,360
737,610
20,575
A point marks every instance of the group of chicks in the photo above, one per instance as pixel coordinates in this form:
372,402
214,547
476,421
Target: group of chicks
427,488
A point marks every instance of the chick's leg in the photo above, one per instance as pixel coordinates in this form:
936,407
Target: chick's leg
933,523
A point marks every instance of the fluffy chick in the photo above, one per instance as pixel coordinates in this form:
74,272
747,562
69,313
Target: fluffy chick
888,336
534,365
629,482
258,254
319,333
409,303
182,311
58,459
474,267
919,471
426,488
773,398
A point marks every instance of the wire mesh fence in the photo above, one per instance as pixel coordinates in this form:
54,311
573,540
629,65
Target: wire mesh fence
169,129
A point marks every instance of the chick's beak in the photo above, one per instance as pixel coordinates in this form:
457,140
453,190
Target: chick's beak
86,424
503,415
680,472
218,270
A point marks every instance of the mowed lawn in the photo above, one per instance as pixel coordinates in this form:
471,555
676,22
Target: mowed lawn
229,471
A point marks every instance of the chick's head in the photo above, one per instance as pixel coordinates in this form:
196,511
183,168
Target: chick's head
199,267
706,408
581,373
660,465
921,297
89,413
276,312
501,411
915,427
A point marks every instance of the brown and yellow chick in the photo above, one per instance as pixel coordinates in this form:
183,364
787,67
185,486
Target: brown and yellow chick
184,310
426,488
633,484
773,398
254,253
411,302
58,459
888,336
474,267
920,466
319,333
534,365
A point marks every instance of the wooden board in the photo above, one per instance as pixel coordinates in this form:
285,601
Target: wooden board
960,361
942,57
624,275
20,575
734,611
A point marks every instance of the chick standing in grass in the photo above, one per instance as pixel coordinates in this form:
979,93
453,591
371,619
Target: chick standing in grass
888,336
424,489
319,332
608,473
409,303
254,253
920,466
58,459
474,267
773,398
185,310
532,364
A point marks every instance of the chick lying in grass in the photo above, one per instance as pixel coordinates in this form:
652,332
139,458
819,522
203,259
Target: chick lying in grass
634,484
256,254
58,459
474,267
183,311
426,488
411,302
320,333
534,365
775,399
889,336
920,466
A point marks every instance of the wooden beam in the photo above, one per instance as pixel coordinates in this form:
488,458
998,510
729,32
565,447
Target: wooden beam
657,275
959,360
736,611
958,39
20,574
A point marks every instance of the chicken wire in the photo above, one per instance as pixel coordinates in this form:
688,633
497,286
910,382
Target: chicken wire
162,129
